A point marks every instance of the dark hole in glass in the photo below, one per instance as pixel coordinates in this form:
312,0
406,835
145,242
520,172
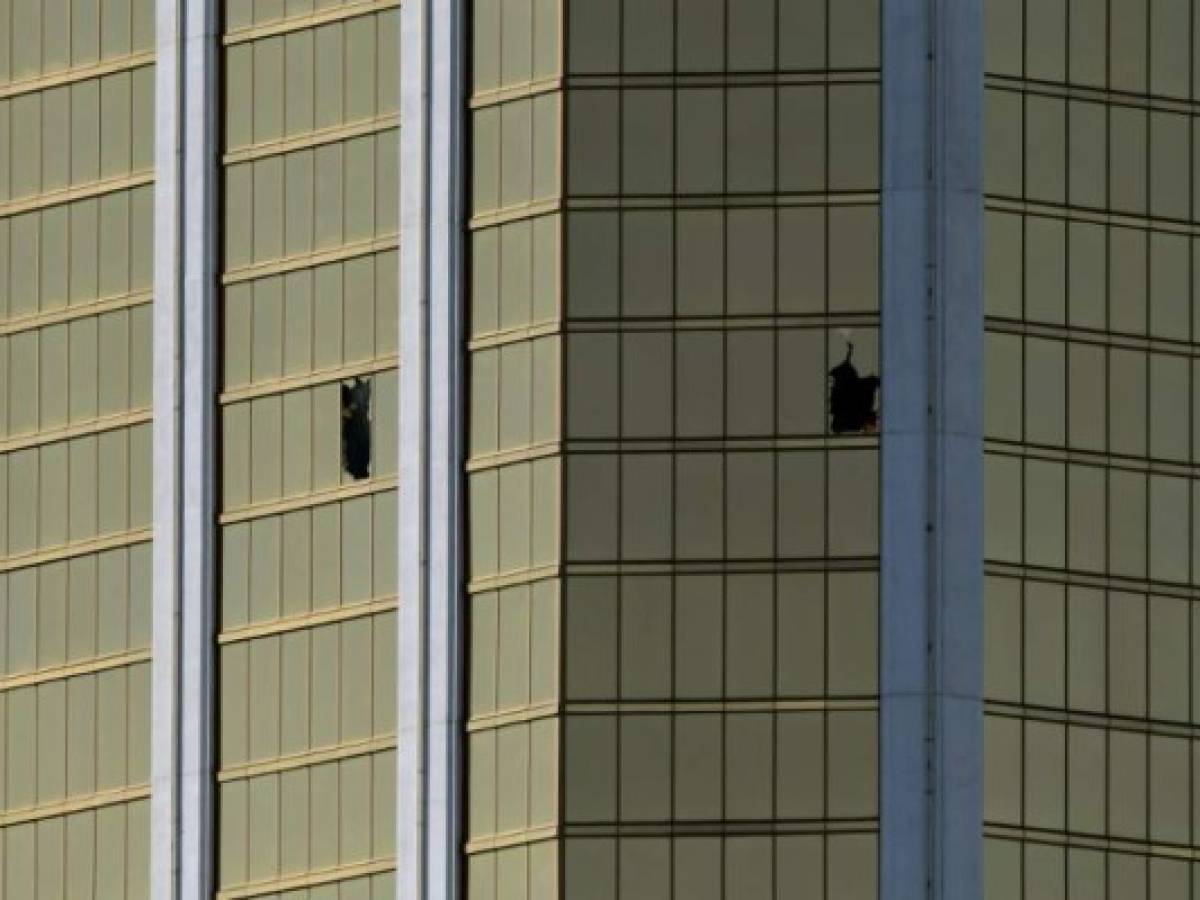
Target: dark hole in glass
852,398
356,428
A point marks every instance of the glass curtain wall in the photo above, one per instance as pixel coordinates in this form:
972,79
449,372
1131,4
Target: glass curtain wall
1092,433
308,442
673,557
76,252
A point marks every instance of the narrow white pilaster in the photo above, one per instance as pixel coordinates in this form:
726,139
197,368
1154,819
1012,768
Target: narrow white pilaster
931,745
168,400
431,563
184,368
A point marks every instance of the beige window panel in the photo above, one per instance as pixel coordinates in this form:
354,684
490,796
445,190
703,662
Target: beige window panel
726,263
516,158
77,252
327,686
1147,543
83,611
765,384
622,506
514,52
307,201
1087,95
77,549
106,850
701,38
310,260
1058,632
524,576
702,202
1099,217
1085,718
240,29
516,518
1115,853
70,494
75,312
515,277
311,325
514,667
1116,777
640,80
1097,459
312,560
79,192
85,35
1089,338
297,382
90,667
70,807
516,335
51,142
515,781
736,766
515,397
817,705
374,877
319,138
95,427
322,822
518,91
76,74
1099,579
522,839
287,445
517,213
354,610
258,487
706,865
284,87
72,377
76,737
725,140
514,716
500,459
291,762
618,632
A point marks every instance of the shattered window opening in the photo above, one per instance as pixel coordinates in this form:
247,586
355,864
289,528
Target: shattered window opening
852,398
356,428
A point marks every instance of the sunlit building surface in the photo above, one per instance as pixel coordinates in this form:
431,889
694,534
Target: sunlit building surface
599,450
76,310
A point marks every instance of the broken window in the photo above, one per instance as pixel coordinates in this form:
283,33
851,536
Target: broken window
356,428
852,398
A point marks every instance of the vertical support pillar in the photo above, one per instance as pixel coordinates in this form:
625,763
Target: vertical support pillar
184,383
430,533
931,753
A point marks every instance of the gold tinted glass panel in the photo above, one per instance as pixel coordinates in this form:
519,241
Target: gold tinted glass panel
1091,450
673,590
308,451
76,250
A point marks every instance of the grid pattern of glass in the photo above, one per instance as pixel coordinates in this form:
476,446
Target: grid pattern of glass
1093,438
308,434
76,250
673,561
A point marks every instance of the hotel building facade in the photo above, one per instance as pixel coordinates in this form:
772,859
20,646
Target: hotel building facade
599,449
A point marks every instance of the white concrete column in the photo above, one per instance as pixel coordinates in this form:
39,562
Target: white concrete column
184,395
931,747
431,473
